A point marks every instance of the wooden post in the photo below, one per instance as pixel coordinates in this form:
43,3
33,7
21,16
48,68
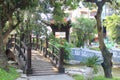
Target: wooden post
15,37
11,36
29,68
67,34
41,44
33,40
37,41
12,40
15,41
61,58
46,47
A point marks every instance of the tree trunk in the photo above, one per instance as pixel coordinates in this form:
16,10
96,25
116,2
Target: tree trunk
107,56
3,58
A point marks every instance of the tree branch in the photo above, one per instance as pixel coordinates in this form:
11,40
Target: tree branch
96,1
46,22
12,26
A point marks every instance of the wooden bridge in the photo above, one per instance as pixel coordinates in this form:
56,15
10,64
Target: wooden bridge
35,56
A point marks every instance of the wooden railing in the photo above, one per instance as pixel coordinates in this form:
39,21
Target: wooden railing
56,55
23,52
53,53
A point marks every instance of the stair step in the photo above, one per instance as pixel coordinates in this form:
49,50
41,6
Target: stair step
44,72
42,66
41,74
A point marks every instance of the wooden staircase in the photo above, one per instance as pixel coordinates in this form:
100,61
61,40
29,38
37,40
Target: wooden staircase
41,66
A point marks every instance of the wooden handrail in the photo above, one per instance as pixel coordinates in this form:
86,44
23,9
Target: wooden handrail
24,45
52,52
54,46
56,56
24,51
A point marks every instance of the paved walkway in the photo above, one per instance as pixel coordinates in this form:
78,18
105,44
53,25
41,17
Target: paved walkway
38,67
41,65
51,77
45,77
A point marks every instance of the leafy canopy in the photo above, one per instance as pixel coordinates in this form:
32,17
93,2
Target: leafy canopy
84,28
113,26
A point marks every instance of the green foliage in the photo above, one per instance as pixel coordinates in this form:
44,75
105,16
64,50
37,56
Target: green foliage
113,26
95,48
37,27
89,5
93,62
12,13
84,29
11,75
60,6
58,12
63,43
116,6
67,48
80,77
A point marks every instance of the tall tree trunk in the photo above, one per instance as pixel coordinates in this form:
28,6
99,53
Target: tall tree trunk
107,56
3,58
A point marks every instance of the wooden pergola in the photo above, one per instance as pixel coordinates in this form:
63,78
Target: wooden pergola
60,28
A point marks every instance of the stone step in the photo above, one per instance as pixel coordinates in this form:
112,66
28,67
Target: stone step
50,71
42,66
43,74
42,69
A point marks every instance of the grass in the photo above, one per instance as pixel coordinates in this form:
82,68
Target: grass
95,48
80,77
11,75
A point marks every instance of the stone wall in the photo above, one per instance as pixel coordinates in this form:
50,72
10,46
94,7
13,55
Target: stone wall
81,54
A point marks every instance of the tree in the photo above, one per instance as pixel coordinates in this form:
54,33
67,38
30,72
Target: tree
8,10
107,56
59,20
116,6
84,28
113,26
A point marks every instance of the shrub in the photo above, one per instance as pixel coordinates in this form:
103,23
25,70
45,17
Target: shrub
80,77
11,75
66,45
92,62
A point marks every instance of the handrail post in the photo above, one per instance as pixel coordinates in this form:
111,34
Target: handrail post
41,44
20,53
33,40
15,37
46,47
15,40
61,60
37,41
29,68
12,36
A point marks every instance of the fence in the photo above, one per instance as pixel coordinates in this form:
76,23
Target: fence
81,54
